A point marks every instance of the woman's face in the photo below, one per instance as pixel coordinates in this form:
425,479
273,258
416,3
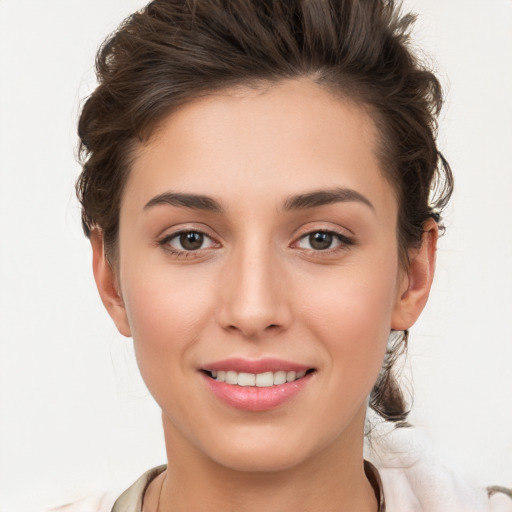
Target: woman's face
258,242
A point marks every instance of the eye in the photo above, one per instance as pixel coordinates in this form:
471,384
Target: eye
188,241
323,241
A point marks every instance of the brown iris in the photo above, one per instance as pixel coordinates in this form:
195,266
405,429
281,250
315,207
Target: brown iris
192,240
320,240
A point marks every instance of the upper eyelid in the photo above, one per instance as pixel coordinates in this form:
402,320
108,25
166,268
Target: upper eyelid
171,236
341,231
344,239
171,232
324,230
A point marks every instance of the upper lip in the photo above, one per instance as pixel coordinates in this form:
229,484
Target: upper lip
255,366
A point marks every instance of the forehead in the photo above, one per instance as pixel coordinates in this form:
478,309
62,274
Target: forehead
263,144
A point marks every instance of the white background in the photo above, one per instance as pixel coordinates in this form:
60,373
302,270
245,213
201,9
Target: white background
74,416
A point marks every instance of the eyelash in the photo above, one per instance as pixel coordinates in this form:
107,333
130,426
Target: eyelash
343,240
184,253
344,243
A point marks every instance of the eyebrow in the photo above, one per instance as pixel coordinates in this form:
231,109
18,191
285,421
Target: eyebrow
193,201
324,197
297,202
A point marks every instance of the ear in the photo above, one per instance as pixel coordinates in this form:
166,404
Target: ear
107,284
417,280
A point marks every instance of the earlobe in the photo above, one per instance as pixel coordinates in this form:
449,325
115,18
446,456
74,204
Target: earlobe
416,283
107,284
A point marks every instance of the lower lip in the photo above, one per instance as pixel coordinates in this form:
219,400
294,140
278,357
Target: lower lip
254,398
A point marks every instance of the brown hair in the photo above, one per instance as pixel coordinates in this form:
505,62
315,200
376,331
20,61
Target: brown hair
173,51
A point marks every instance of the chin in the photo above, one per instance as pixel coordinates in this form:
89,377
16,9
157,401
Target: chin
262,451
259,461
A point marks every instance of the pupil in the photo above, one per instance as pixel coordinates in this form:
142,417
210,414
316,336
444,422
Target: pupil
191,241
320,241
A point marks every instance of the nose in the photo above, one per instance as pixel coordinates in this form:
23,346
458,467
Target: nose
253,294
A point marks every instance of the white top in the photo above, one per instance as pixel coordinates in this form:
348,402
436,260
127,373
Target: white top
413,480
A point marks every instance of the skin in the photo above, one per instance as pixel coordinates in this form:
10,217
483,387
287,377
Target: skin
258,288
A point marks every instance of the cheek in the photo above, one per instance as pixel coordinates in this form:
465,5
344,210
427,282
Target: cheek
166,312
351,313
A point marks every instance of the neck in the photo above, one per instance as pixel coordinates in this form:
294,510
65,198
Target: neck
332,480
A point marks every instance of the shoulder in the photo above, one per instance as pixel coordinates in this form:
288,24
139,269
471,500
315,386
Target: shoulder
413,480
131,499
128,501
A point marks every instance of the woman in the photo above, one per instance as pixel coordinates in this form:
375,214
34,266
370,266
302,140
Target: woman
262,191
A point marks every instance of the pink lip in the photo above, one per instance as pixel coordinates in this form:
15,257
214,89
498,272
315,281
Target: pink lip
253,398
257,366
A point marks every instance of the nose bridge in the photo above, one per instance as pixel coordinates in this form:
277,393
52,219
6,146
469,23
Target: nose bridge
253,301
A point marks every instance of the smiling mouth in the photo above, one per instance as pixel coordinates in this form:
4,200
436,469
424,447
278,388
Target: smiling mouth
259,380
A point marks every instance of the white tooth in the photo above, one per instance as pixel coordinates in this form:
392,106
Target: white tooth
279,377
291,376
214,374
231,377
221,375
246,379
264,380
301,374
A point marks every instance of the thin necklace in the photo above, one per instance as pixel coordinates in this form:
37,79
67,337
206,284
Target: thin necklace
160,493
